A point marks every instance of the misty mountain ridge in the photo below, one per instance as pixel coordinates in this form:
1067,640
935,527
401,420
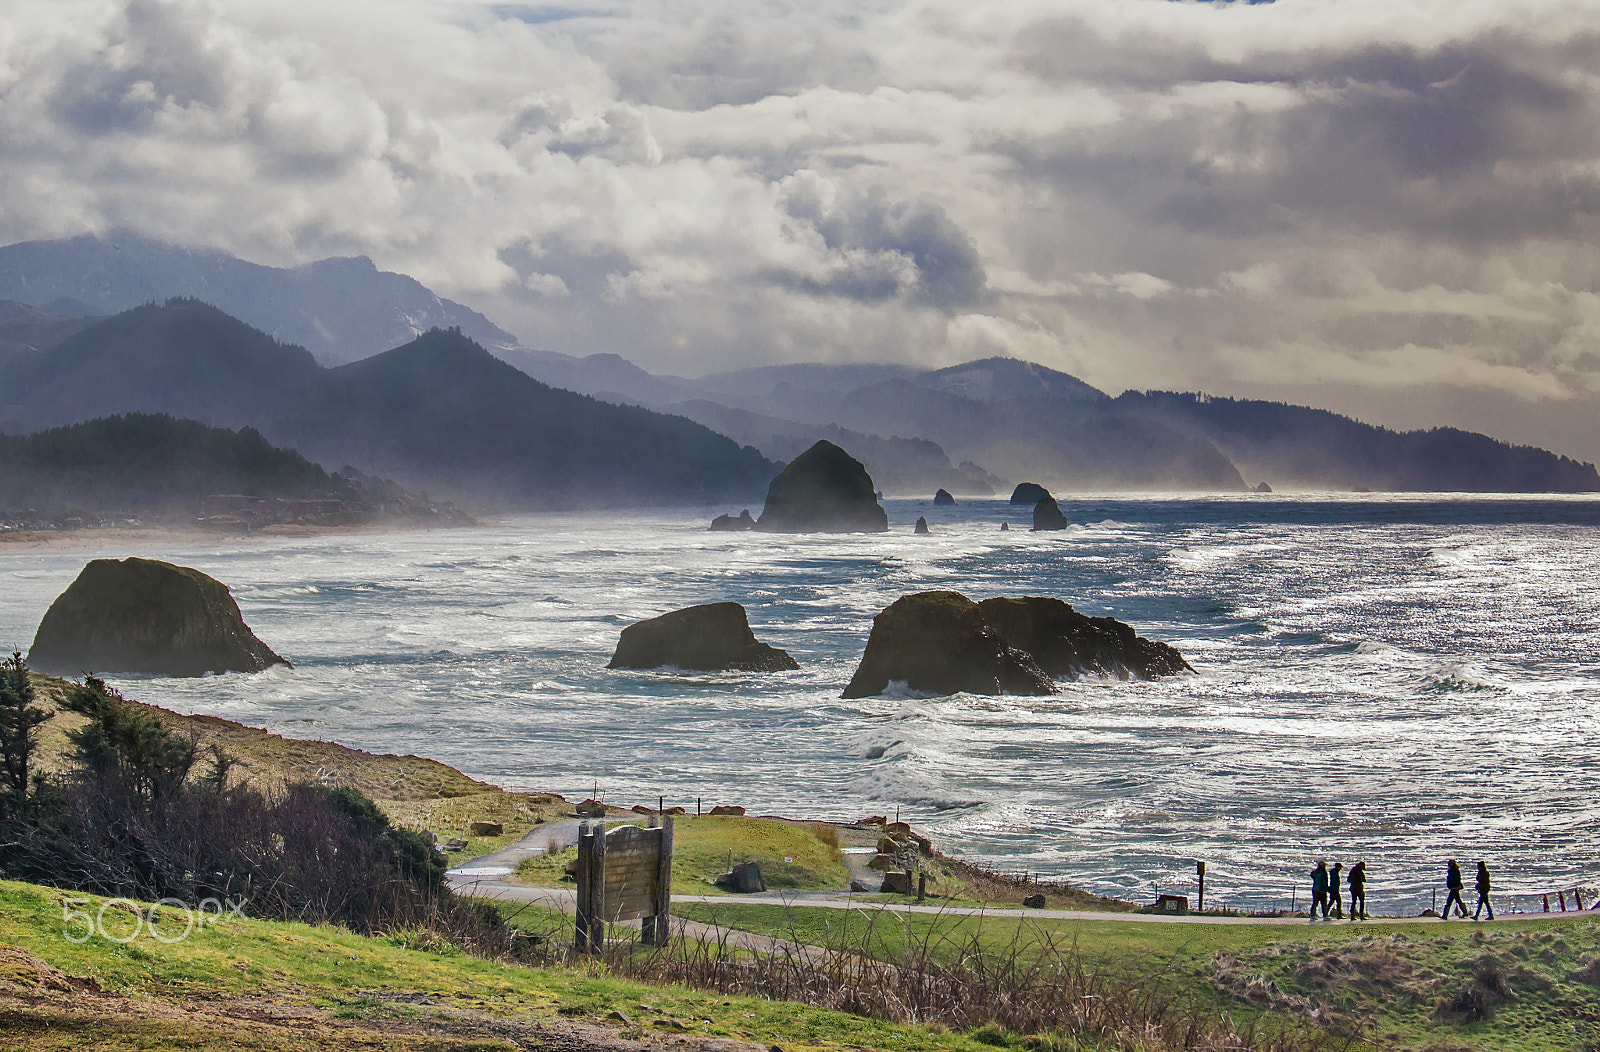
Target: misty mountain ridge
439,412
341,309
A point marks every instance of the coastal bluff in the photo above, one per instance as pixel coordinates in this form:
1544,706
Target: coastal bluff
942,642
714,637
823,490
148,617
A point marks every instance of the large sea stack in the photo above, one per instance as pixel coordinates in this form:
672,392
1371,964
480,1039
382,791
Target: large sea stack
939,642
1067,644
149,617
715,637
944,499
823,490
1029,493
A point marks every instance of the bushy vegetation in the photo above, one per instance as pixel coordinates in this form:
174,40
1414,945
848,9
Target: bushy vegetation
141,813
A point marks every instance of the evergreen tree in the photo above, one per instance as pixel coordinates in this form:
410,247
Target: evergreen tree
19,730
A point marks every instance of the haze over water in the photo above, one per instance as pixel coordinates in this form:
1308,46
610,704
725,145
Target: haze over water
1395,679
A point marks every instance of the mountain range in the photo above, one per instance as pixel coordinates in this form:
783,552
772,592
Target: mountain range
438,412
973,429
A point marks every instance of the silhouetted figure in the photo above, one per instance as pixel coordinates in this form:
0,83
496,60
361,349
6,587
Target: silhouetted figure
1319,889
1452,880
1358,890
1335,897
1483,892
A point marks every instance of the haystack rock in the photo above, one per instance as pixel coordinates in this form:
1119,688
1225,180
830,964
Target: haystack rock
715,637
943,499
1262,487
148,617
1066,644
922,524
1029,493
728,522
823,490
1047,515
938,642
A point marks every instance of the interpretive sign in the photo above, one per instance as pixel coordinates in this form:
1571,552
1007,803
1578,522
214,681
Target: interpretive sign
624,874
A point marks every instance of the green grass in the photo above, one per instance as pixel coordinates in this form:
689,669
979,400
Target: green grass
791,855
413,978
1386,981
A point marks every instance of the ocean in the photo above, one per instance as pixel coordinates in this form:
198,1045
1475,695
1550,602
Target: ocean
1395,679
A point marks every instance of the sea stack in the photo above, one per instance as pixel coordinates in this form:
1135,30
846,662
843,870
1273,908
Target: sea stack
728,522
943,499
1067,644
922,524
147,617
715,637
1047,515
938,642
823,490
1029,494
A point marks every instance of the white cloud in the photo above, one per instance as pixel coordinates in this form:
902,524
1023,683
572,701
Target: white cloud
1227,196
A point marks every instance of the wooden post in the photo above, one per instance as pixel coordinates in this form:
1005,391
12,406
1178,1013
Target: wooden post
658,929
1547,902
1577,896
1200,870
922,887
597,919
580,935
1563,896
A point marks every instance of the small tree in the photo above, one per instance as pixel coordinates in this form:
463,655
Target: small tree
124,745
19,730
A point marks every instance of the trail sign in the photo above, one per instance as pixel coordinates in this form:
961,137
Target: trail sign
623,874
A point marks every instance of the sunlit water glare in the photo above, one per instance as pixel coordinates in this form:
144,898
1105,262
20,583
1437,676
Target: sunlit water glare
1399,680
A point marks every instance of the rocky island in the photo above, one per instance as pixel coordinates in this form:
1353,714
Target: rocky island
823,490
944,643
714,637
148,617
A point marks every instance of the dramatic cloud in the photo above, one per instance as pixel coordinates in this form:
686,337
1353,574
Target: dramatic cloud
1386,208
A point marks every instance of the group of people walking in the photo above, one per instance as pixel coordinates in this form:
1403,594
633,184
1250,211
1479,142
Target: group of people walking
1326,896
1325,892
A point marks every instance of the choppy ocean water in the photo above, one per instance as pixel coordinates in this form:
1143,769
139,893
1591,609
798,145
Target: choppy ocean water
1395,679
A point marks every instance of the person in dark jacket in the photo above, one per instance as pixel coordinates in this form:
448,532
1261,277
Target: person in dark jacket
1452,880
1483,892
1335,898
1358,890
1319,889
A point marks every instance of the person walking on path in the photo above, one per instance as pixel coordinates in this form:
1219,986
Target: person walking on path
1358,890
1483,892
1319,889
1452,880
1334,895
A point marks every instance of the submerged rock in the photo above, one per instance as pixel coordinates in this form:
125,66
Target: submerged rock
943,498
714,637
938,642
1047,515
1005,527
1067,644
1029,493
728,522
922,524
148,617
823,490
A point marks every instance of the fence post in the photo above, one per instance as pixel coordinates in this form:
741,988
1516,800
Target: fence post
1563,896
657,928
580,936
1200,872
1547,902
1577,895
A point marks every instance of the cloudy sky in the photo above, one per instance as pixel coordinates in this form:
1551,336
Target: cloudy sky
1388,207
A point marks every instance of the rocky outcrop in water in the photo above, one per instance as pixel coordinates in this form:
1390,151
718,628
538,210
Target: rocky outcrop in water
1047,515
715,637
148,617
1262,487
943,642
1029,493
938,642
943,498
1067,644
922,525
823,490
728,522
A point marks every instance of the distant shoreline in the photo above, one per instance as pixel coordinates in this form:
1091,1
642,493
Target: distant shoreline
95,536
